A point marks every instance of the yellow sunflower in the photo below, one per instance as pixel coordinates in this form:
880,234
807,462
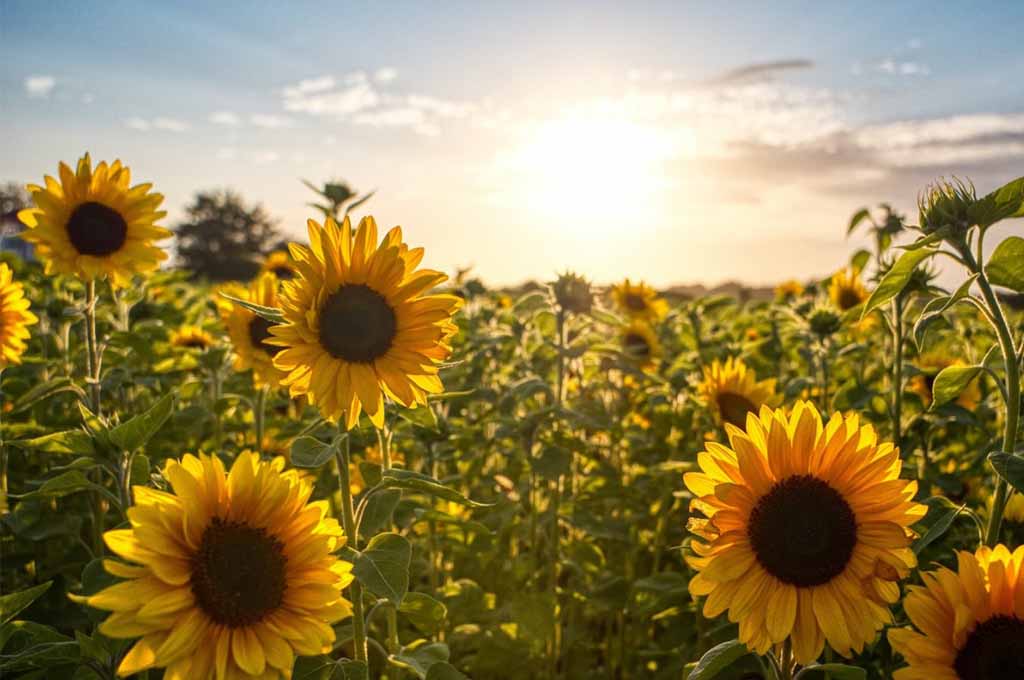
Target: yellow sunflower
358,324
14,318
931,364
233,575
280,264
732,390
250,333
971,620
846,289
789,290
639,301
640,344
806,530
94,224
191,337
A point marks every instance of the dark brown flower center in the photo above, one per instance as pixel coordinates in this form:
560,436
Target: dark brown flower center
193,343
357,324
238,573
848,298
96,229
734,408
803,531
283,272
637,346
259,333
635,302
994,651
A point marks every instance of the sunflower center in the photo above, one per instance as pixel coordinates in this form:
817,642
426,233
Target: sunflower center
238,573
802,531
848,299
357,324
259,333
637,346
734,408
635,302
96,229
994,650
283,273
194,343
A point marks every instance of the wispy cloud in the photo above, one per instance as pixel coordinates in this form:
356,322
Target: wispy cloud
39,86
323,96
159,123
762,71
265,120
385,75
228,118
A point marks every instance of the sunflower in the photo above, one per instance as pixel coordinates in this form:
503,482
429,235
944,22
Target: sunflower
233,574
94,224
806,530
14,318
280,264
358,325
639,301
249,332
931,364
971,620
846,289
640,344
191,337
731,390
788,291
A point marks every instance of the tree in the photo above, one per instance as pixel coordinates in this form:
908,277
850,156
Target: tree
13,198
223,239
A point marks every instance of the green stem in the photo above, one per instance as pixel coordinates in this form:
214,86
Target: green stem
259,414
786,661
897,371
92,347
342,457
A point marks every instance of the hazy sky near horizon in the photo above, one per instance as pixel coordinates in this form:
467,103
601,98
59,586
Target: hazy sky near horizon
680,142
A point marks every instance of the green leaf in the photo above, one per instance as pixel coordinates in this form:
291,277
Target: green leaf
896,279
272,314
383,567
445,671
836,671
947,514
11,605
67,442
132,435
860,259
717,659
857,218
934,310
140,470
553,462
1006,265
424,612
422,416
420,656
380,507
1009,467
45,391
1006,201
950,382
311,453
414,481
65,484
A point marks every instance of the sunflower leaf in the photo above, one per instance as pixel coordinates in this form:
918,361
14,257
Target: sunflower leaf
311,453
420,656
896,279
950,382
1009,467
272,314
45,391
445,671
11,605
1006,266
947,515
1006,201
836,671
136,432
383,566
717,659
424,612
67,442
414,481
934,310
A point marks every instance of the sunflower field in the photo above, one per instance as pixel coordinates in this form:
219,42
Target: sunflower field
352,467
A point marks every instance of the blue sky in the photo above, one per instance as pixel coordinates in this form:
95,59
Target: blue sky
679,141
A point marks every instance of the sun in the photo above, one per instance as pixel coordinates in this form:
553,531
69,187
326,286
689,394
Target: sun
590,168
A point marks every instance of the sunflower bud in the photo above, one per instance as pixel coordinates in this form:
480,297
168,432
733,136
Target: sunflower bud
572,293
824,322
945,205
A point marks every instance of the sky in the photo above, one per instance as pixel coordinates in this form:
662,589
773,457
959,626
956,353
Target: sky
680,142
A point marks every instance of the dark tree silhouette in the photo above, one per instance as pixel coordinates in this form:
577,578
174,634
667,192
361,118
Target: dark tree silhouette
13,198
223,239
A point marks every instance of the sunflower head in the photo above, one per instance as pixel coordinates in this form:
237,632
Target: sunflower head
640,344
846,290
824,321
573,293
946,205
732,390
93,223
360,324
280,264
191,337
249,332
931,364
230,575
638,301
790,290
805,532
968,624
15,318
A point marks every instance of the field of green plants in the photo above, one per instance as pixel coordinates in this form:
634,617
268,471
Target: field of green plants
351,467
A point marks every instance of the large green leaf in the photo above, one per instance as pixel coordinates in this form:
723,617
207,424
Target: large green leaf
45,391
941,515
424,612
133,434
380,507
414,481
383,567
420,656
896,279
445,671
67,442
717,659
65,484
934,310
311,453
11,605
1009,467
950,382
1006,265
1006,201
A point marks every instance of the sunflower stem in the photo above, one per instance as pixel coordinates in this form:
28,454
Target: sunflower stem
342,455
897,371
92,353
786,661
259,414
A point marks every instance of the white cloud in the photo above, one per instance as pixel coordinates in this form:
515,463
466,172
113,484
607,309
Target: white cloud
137,123
39,86
225,118
309,86
440,107
265,120
227,153
385,75
159,123
407,116
264,157
354,97
964,139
